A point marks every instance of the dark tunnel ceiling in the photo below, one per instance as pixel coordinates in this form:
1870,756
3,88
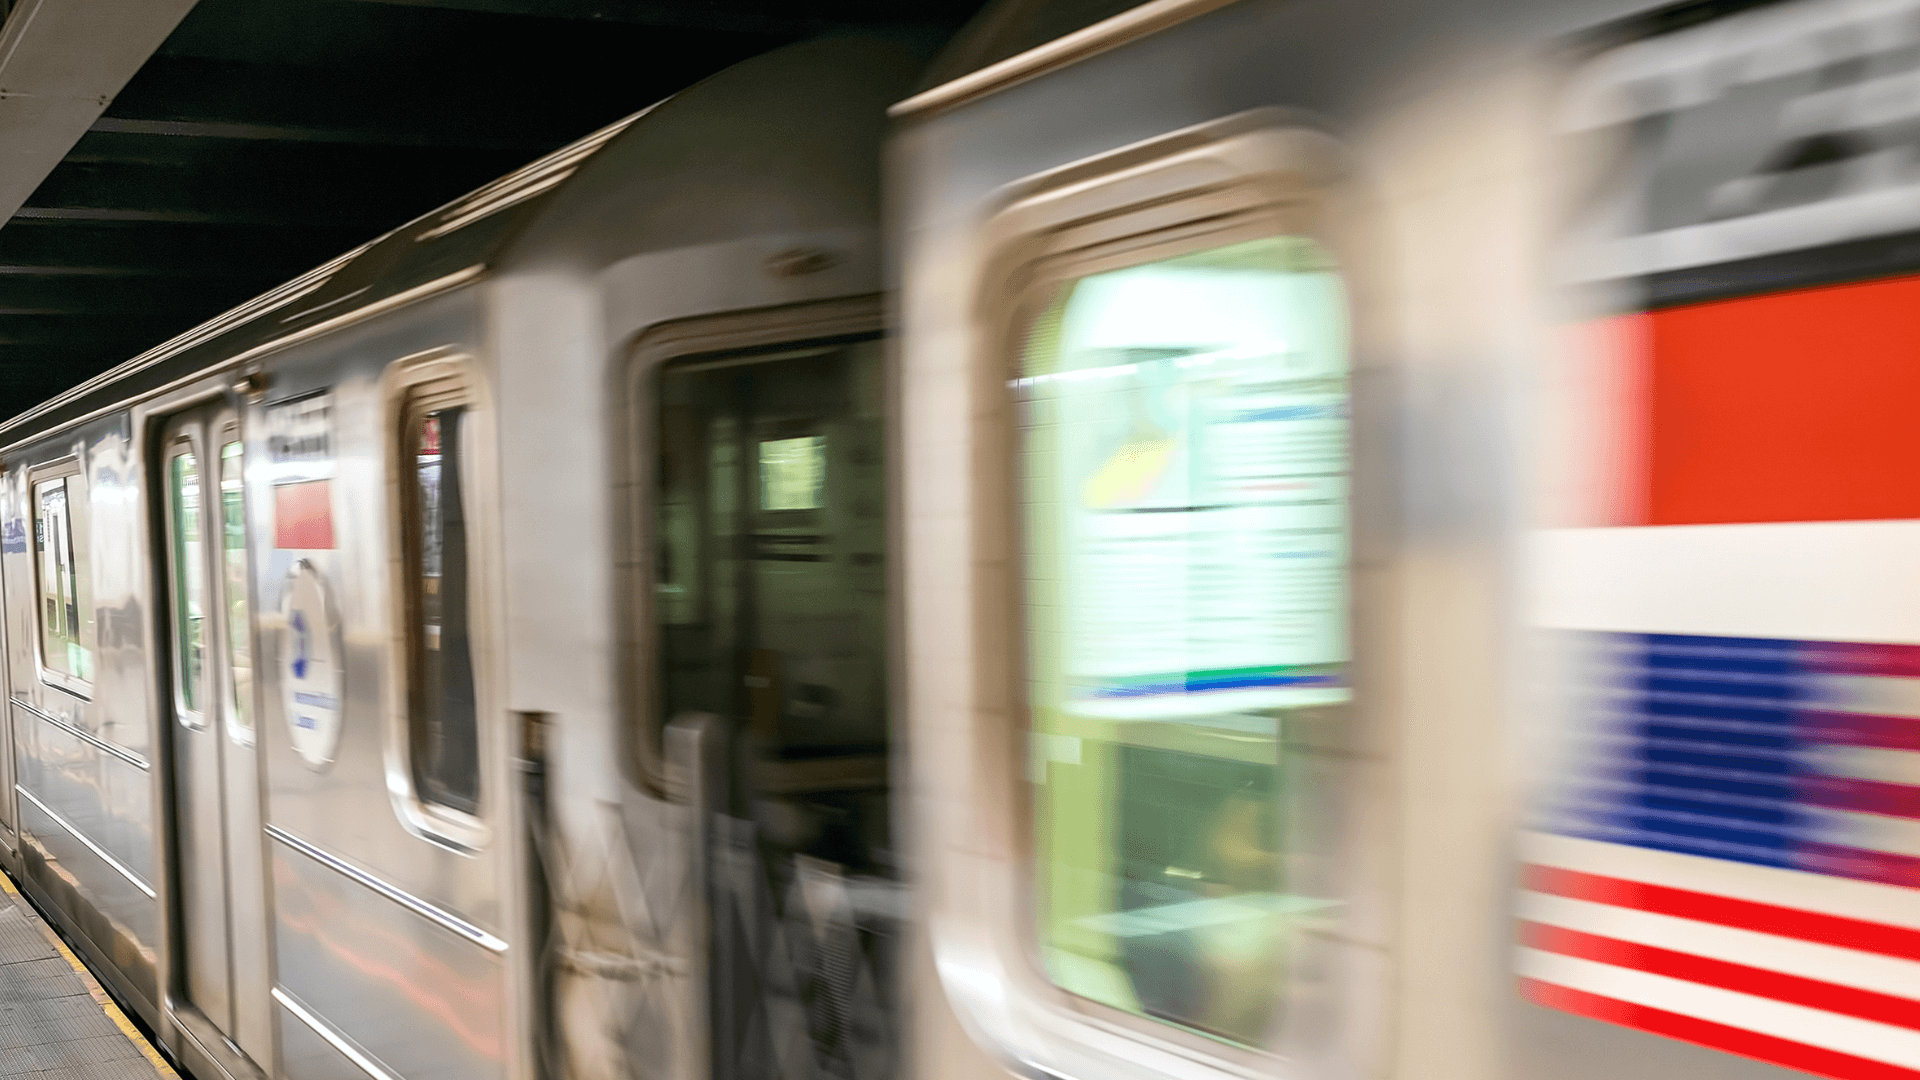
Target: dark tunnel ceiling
267,136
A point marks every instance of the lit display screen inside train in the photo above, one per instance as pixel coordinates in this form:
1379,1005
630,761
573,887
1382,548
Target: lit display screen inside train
1184,474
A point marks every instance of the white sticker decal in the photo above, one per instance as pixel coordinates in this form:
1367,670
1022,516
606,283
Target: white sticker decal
310,674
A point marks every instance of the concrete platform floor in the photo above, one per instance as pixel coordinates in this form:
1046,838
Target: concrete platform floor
56,1023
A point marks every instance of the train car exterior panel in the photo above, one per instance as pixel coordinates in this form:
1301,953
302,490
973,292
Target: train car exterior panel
89,788
1446,143
84,748
352,803
613,281
308,1048
320,567
1118,106
112,909
422,999
344,375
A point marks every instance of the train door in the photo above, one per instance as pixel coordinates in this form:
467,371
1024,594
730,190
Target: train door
9,769
770,614
220,881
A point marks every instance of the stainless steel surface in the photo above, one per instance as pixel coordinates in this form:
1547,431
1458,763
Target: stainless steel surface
87,737
694,754
84,755
84,892
327,926
199,812
250,945
576,300
99,792
248,921
9,815
219,873
73,833
203,1050
388,947
423,1000
405,899
979,993
312,1048
401,1005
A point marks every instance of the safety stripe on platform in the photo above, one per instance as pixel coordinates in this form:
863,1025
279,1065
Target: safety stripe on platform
98,993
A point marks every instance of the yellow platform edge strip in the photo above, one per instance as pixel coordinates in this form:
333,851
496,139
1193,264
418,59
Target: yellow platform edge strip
94,989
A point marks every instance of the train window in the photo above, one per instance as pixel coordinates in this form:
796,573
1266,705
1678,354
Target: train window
792,472
770,616
1183,473
189,579
443,728
769,532
233,528
64,616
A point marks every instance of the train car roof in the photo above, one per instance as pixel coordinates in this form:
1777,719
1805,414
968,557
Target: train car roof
795,149
1008,28
529,214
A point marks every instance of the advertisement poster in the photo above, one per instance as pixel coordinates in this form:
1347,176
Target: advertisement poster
1201,430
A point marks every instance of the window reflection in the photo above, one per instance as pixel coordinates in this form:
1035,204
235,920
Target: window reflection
793,473
189,577
1184,475
770,613
233,521
445,736
61,606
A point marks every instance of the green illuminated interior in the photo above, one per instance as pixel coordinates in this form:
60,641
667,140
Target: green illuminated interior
1184,477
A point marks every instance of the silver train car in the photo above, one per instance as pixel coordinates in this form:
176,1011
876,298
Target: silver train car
1195,540
295,601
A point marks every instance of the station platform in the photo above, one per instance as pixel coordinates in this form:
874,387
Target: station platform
56,1023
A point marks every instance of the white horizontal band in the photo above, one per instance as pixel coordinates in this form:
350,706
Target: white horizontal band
1845,897
1813,581
1874,695
1866,763
1810,960
1814,1027
1869,832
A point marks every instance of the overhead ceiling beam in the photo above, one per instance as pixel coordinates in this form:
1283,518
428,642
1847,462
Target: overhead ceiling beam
268,192
357,136
772,17
61,62
32,373
73,249
167,217
118,296
739,18
85,331
226,100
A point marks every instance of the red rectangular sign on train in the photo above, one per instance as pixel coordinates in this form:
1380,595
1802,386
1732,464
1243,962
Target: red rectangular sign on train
303,515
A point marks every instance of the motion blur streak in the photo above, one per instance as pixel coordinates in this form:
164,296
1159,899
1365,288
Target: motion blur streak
1728,846
1198,540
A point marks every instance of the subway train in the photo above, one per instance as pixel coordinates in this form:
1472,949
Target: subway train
1196,540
